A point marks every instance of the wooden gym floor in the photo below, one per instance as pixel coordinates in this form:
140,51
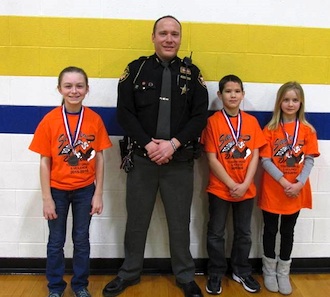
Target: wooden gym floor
27,285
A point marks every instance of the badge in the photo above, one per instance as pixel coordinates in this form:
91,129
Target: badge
184,89
186,77
73,160
185,70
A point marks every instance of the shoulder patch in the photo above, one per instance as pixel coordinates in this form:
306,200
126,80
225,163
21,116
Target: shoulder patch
201,80
124,75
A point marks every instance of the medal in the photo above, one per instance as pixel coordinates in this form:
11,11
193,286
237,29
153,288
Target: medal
236,154
73,159
235,134
290,161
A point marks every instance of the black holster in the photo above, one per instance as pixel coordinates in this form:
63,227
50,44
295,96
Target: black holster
126,153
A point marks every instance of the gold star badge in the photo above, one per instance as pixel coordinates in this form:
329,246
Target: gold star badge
184,89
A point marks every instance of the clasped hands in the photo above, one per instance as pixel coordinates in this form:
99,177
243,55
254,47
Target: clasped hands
291,189
160,151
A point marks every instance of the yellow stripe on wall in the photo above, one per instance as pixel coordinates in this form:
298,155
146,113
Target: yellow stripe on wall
42,46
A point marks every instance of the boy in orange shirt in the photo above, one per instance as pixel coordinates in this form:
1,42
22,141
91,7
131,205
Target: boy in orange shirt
231,139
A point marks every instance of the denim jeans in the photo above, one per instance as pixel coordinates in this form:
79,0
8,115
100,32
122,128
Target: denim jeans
242,211
80,200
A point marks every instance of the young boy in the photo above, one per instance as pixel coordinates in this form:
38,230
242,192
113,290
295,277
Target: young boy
231,140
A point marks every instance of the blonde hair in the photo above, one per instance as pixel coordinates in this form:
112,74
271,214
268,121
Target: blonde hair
277,113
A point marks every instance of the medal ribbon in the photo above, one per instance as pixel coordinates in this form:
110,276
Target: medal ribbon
234,134
295,135
73,140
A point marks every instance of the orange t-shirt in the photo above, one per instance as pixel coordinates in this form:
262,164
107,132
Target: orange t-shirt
273,198
235,159
50,140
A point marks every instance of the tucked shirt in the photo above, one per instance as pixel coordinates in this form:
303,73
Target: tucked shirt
138,100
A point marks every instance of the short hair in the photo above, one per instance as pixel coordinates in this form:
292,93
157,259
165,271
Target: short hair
228,78
164,17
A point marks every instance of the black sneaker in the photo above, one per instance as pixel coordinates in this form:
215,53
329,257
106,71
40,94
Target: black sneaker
213,285
248,282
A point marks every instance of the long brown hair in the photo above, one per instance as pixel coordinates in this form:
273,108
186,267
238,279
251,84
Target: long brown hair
71,69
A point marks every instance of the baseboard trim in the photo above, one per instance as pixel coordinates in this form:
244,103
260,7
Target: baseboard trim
151,265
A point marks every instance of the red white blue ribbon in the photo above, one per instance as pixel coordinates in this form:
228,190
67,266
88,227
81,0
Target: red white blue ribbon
72,140
234,133
292,144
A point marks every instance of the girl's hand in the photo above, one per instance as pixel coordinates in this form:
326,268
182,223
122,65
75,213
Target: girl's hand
49,209
294,189
97,204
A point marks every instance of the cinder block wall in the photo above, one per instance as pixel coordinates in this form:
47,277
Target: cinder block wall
265,44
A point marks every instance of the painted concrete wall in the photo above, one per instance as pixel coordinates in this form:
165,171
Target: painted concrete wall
266,43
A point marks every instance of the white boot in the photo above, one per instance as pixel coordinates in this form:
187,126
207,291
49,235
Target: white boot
269,273
283,278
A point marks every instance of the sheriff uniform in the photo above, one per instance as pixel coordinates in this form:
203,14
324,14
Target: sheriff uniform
137,111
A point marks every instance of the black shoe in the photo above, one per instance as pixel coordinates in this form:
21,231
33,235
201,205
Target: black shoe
213,285
118,285
248,282
190,289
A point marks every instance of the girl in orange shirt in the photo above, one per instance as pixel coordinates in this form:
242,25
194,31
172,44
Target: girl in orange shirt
70,140
287,159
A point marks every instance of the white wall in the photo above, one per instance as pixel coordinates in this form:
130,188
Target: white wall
23,231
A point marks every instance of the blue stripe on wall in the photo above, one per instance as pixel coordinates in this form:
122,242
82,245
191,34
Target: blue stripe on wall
24,119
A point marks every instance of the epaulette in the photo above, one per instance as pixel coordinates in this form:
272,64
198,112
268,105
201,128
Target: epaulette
142,59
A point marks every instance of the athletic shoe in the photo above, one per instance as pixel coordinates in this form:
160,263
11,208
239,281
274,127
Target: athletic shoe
82,293
248,282
53,294
213,285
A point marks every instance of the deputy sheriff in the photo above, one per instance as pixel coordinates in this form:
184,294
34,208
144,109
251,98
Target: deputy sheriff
162,106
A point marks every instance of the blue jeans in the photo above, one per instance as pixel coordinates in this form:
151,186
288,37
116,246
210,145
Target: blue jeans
80,200
242,211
